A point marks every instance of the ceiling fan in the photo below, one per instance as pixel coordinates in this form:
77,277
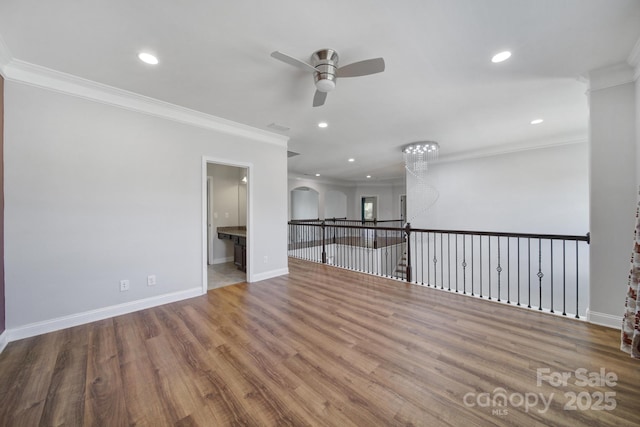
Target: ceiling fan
324,66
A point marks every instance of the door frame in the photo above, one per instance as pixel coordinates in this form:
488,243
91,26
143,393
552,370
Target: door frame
209,193
362,197
204,198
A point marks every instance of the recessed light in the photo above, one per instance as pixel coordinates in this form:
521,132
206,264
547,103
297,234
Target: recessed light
536,121
323,124
502,56
352,160
368,176
317,174
148,58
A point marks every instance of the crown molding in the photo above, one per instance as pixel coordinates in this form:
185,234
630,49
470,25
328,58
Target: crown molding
35,75
498,150
611,76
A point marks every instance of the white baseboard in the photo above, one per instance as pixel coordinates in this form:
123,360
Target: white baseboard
268,275
222,260
64,322
604,319
3,340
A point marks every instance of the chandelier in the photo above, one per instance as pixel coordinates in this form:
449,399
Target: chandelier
420,194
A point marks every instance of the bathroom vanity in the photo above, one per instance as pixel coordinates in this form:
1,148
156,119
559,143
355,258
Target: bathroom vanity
238,235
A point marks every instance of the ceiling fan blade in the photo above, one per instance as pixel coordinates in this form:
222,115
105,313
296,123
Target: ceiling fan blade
319,98
292,61
361,68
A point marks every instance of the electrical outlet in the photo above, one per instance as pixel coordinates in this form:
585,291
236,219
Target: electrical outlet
151,280
124,285
266,259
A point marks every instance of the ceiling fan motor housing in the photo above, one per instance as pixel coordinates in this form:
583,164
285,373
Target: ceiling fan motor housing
325,61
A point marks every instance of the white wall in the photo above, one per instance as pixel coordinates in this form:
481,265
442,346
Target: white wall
321,188
388,199
96,193
398,190
304,204
613,189
335,204
536,191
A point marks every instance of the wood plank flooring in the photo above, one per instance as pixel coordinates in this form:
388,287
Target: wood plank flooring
321,346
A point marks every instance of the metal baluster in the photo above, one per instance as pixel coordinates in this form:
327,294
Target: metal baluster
435,260
480,266
529,260
359,248
421,259
464,264
456,266
577,315
499,268
489,256
441,265
339,246
449,259
540,274
564,277
428,262
518,272
386,255
472,262
508,270
551,266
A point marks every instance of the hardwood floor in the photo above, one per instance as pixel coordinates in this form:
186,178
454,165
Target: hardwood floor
321,346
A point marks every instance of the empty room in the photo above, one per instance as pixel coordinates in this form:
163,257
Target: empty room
420,213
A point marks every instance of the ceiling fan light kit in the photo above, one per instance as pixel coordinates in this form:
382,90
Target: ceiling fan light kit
325,61
324,66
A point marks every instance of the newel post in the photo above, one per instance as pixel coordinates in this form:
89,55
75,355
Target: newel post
324,249
375,233
407,230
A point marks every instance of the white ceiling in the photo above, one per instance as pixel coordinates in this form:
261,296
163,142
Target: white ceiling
439,82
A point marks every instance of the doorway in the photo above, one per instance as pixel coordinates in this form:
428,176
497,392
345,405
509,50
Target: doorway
226,225
369,208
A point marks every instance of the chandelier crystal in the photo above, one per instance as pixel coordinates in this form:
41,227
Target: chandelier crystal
420,194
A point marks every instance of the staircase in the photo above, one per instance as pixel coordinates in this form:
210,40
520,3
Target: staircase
400,271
